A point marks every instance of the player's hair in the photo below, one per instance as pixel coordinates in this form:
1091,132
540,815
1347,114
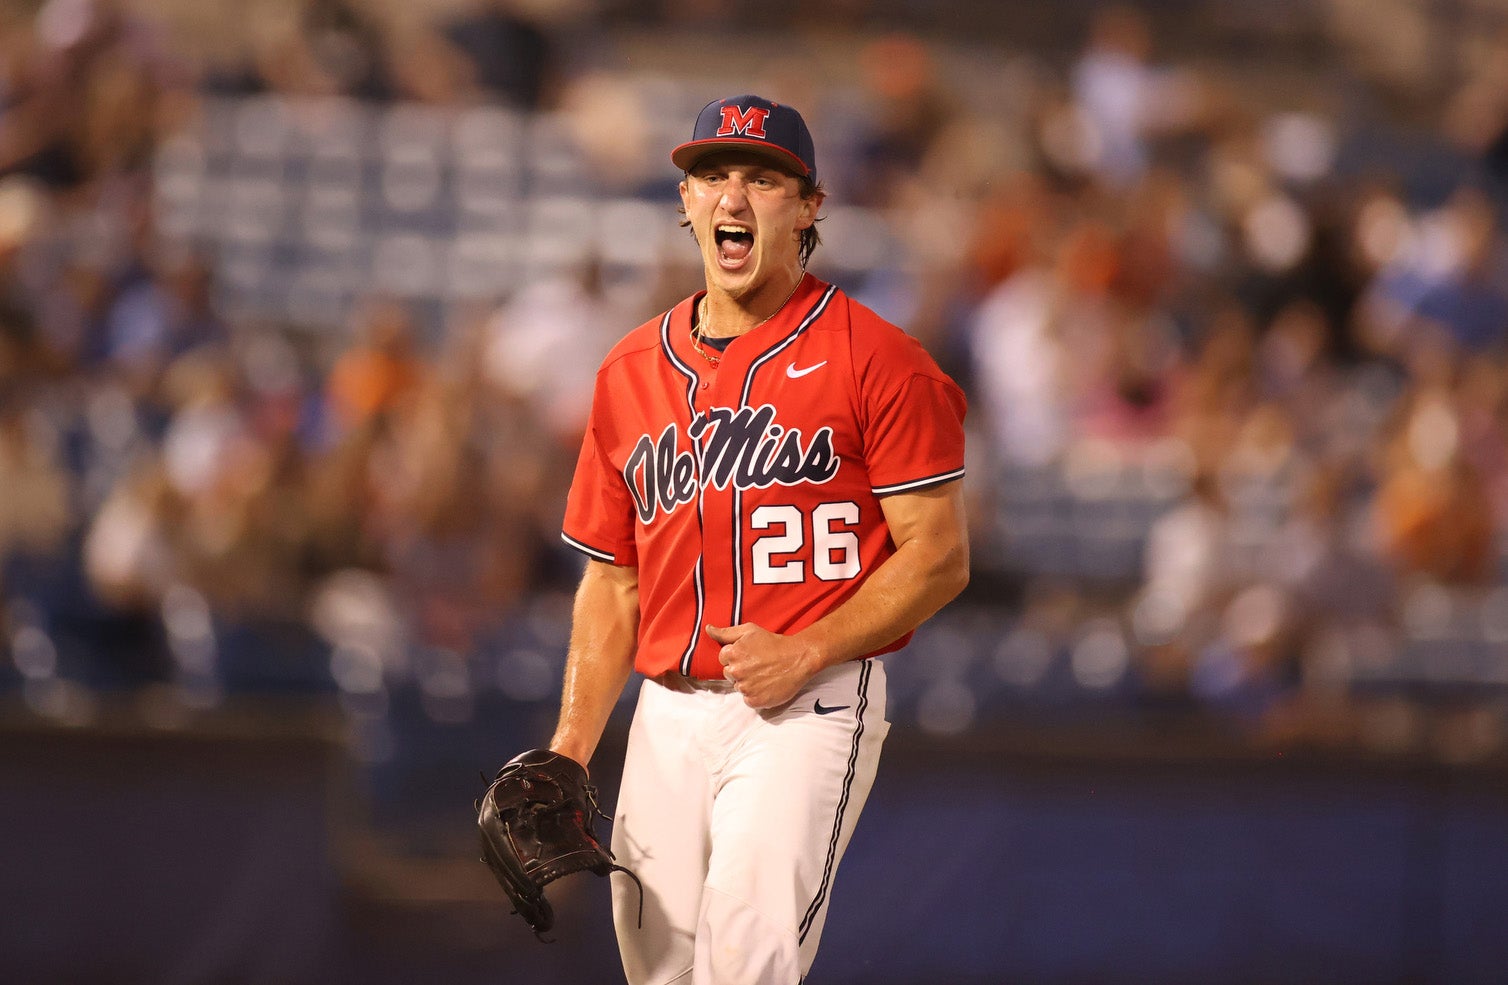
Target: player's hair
810,238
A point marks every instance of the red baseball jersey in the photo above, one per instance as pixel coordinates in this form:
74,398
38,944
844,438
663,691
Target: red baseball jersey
750,491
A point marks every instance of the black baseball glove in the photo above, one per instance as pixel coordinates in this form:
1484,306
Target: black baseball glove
536,822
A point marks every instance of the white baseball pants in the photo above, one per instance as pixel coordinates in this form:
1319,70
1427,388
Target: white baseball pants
736,820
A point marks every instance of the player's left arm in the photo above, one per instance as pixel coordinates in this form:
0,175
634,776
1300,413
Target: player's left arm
928,569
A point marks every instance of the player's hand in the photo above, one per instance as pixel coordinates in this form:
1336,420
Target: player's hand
768,669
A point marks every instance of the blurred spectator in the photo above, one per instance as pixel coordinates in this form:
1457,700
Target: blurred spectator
370,379
1295,367
217,469
609,121
1128,389
1218,389
537,363
1465,293
127,553
438,524
1124,99
1482,404
1013,229
22,345
1449,277
1433,507
910,108
1018,351
312,48
1333,576
35,140
543,348
512,58
432,70
346,48
341,499
35,509
163,315
88,94
1475,115
1186,567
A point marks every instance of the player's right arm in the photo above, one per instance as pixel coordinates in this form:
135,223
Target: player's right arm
604,631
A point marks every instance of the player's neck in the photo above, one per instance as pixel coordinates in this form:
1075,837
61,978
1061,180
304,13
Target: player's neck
721,315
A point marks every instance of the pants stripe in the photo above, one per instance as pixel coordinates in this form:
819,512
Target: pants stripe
832,844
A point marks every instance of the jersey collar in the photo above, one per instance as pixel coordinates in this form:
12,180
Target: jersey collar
758,340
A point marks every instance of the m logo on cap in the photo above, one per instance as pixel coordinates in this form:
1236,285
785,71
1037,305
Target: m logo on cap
744,122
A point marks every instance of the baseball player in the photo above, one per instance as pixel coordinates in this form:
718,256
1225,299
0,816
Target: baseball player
768,495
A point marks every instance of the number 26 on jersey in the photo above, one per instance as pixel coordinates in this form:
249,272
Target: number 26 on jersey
834,547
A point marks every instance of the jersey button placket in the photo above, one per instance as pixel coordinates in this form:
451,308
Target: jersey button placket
704,387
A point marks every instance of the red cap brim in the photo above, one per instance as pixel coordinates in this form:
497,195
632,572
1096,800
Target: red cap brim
686,155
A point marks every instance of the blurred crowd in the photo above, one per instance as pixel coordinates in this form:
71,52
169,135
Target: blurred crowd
1263,316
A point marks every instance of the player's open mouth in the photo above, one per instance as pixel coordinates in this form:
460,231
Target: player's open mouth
734,244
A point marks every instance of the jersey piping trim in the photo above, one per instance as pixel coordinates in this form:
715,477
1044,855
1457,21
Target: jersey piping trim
743,401
848,778
592,552
698,575
915,484
780,346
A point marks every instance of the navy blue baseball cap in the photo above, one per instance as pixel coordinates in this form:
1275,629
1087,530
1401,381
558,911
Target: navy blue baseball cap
753,124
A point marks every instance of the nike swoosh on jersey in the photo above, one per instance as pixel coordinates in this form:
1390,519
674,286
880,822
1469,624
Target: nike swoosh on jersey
823,709
793,373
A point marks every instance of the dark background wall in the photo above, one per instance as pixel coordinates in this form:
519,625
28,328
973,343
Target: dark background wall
219,853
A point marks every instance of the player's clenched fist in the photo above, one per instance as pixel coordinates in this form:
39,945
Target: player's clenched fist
766,668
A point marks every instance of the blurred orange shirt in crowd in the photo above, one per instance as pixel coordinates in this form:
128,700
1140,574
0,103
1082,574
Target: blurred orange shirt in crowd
366,382
1438,523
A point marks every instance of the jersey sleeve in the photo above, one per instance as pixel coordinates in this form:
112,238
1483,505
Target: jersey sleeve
913,437
599,515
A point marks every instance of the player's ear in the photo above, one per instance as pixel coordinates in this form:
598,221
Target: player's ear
811,205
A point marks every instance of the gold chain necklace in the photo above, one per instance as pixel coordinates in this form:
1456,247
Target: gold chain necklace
698,331
713,359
